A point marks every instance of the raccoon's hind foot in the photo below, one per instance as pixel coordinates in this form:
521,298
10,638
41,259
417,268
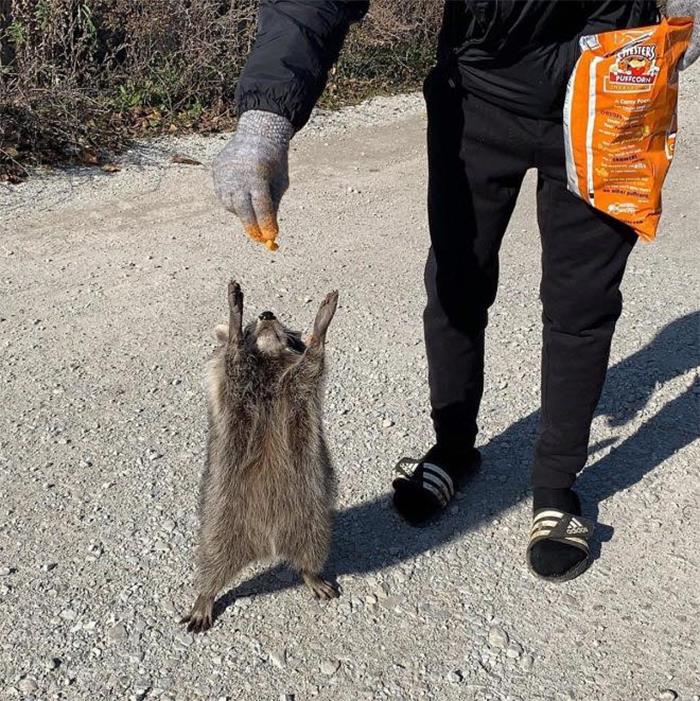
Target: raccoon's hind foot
201,617
320,588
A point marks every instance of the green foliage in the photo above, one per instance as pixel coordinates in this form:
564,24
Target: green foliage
17,33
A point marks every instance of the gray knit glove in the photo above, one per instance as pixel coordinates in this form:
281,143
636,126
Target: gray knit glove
252,173
687,8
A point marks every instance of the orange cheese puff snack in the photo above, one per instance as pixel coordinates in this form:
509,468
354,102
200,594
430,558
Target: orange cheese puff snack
265,235
620,120
269,231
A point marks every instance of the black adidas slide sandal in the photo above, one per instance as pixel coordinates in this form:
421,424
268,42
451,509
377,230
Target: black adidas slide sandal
429,476
555,525
423,494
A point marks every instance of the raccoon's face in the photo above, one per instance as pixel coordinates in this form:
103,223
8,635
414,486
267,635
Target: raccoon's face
269,337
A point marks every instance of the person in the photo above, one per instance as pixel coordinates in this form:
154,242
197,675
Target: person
494,101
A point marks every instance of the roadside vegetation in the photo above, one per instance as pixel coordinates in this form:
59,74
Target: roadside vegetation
80,78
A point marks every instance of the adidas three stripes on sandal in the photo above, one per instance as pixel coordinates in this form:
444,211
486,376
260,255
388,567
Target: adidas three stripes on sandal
422,493
430,477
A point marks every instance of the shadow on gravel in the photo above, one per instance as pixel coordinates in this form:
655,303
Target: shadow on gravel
370,536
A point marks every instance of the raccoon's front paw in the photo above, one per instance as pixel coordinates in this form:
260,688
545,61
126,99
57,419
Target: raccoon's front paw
235,297
320,588
201,617
325,315
235,318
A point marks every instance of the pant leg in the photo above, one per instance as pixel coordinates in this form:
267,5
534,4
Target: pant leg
477,158
584,253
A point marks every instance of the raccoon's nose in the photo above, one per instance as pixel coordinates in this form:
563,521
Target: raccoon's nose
267,316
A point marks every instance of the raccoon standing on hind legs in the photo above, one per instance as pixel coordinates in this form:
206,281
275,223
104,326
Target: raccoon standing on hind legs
267,489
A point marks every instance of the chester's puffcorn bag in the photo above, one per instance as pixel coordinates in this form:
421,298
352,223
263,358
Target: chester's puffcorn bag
620,120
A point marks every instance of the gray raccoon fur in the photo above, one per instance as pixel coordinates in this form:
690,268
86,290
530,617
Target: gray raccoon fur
267,490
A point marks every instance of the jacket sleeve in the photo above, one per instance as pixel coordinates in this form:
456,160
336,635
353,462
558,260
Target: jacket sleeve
296,44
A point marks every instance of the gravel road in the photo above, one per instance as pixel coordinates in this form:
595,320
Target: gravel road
110,286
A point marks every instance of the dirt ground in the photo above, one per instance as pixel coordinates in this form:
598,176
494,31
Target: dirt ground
110,287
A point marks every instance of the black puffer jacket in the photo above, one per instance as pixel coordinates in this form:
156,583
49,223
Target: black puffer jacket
516,53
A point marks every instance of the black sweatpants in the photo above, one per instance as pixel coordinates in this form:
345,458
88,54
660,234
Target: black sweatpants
478,154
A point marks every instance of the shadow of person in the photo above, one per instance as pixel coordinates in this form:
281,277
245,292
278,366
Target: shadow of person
370,536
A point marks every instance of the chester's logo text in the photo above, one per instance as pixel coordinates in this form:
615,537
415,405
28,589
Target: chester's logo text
634,70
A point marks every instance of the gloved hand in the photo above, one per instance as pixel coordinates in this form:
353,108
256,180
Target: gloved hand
687,8
251,173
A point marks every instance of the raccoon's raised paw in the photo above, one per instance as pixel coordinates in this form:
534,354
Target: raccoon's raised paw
320,588
325,315
235,317
235,297
201,617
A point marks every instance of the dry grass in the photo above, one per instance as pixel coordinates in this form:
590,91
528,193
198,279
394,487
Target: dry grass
79,78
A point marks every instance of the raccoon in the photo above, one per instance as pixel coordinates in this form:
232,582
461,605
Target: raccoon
267,490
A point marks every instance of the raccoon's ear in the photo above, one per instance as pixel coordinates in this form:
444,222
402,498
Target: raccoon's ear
221,333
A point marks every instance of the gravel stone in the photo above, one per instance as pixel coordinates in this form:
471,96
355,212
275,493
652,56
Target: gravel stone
498,637
118,633
52,663
668,695
514,650
279,658
330,667
527,662
28,686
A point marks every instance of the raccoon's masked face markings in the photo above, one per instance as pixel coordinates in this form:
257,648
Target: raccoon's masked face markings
269,337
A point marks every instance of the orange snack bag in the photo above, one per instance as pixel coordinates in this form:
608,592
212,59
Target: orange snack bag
620,120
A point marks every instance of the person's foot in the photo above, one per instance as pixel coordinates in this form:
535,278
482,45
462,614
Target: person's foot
553,559
423,494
